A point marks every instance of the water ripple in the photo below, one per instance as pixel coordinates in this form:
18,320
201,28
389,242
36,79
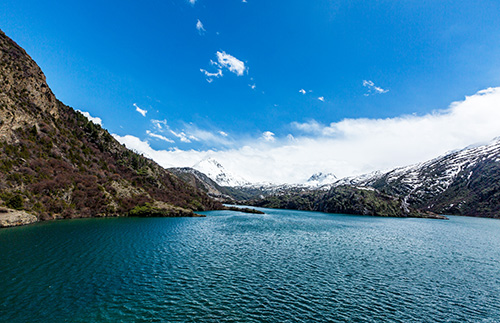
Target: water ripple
285,266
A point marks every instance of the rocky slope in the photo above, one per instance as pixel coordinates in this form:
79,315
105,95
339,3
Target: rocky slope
465,182
55,163
204,183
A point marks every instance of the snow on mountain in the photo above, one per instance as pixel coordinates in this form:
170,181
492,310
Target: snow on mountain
319,179
214,170
425,181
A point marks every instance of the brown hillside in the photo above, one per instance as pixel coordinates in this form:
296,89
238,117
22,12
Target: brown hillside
55,163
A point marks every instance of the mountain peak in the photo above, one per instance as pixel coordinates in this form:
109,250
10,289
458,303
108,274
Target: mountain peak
215,171
321,178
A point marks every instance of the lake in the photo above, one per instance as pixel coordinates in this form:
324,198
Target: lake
284,266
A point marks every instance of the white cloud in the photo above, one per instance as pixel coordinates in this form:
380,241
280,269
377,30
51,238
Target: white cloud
186,138
157,136
302,91
372,88
199,27
321,98
218,138
158,123
268,136
211,76
141,111
351,146
231,63
95,120
252,86
192,2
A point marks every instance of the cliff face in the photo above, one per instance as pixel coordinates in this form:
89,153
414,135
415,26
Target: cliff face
55,163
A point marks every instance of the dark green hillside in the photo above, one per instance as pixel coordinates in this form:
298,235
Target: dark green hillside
345,200
57,164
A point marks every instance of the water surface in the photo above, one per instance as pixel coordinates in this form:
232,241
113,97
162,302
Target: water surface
285,266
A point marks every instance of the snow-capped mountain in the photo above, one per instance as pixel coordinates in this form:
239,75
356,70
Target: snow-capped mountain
462,182
320,179
214,170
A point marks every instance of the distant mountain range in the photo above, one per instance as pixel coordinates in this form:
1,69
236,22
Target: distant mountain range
464,182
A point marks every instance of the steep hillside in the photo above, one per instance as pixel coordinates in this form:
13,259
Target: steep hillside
466,182
55,163
203,182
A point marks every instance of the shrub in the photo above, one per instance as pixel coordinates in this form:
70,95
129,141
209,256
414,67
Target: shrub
15,202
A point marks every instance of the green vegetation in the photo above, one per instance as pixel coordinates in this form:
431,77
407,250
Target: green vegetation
148,210
243,209
341,199
15,202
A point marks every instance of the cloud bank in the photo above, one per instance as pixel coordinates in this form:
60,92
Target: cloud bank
348,147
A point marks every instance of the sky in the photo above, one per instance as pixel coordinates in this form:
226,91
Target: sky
273,90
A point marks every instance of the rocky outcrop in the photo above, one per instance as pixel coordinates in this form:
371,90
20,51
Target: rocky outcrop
12,218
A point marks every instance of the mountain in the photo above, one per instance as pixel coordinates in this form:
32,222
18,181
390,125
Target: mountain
214,170
320,179
57,164
202,182
345,200
464,182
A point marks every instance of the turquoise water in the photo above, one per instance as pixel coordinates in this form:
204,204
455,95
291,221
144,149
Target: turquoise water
285,266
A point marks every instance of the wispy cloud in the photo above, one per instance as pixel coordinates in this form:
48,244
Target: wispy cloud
159,124
199,27
225,61
141,111
157,136
183,136
95,120
302,91
351,146
372,88
321,98
192,1
211,76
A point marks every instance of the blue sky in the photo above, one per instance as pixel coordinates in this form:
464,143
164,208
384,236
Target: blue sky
354,60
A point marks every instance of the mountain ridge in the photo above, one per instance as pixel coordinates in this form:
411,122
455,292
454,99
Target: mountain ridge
57,164
462,182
